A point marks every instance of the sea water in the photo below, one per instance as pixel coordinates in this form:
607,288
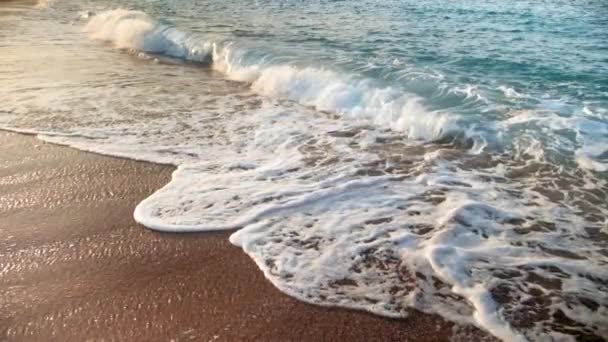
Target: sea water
444,156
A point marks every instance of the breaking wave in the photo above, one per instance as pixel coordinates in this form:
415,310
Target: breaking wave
347,212
348,219
325,90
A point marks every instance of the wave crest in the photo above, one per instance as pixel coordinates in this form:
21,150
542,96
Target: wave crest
137,31
325,90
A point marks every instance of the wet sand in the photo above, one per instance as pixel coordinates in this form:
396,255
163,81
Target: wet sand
75,266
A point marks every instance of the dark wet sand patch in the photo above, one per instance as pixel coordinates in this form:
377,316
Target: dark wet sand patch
75,266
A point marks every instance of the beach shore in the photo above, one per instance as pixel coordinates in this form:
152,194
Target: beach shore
75,266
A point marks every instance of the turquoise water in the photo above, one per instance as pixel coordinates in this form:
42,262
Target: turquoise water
480,63
450,157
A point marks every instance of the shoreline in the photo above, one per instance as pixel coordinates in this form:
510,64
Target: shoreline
76,266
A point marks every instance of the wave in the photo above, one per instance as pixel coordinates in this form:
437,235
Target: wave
325,90
327,228
135,30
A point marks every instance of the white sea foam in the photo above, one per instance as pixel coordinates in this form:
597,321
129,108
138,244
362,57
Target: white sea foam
324,90
338,212
136,30
510,92
588,143
586,161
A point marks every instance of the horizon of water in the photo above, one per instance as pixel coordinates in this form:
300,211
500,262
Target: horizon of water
449,157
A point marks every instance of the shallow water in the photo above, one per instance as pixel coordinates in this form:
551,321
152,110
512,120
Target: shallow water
449,157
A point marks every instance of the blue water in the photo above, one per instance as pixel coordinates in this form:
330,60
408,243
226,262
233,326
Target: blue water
448,156
546,49
482,63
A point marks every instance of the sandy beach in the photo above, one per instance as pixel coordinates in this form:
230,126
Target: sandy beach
223,170
75,266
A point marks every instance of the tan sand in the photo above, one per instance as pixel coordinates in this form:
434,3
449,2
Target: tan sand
75,266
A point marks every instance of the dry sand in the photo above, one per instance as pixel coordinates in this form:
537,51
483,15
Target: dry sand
75,266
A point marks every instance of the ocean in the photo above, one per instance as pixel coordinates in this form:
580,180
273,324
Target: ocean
389,156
